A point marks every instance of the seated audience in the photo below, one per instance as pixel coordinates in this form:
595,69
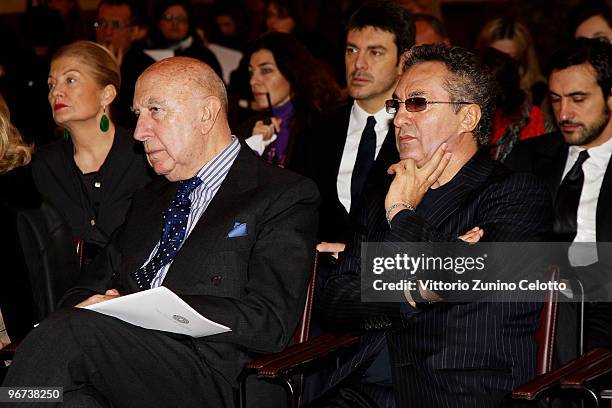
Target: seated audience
243,259
513,38
291,89
174,29
90,176
593,20
516,118
18,192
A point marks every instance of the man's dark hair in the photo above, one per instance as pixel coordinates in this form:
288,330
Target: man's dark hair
589,9
587,51
469,81
435,23
387,16
135,15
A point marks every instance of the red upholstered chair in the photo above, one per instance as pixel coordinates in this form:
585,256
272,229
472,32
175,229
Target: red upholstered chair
545,336
282,367
589,377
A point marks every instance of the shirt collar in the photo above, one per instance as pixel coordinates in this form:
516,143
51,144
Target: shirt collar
598,155
360,116
218,164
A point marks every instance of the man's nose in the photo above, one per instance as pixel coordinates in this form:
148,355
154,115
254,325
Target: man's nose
361,62
402,116
140,130
565,110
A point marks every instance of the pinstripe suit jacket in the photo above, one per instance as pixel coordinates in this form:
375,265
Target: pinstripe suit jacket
451,354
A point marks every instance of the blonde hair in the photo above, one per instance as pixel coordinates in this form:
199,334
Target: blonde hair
14,152
102,65
510,29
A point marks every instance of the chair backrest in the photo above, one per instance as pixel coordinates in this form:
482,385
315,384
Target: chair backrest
50,255
545,336
303,329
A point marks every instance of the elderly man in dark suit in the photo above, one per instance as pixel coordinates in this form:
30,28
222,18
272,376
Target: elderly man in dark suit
240,253
442,353
575,165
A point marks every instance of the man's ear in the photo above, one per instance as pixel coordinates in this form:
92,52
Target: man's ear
471,117
211,107
109,93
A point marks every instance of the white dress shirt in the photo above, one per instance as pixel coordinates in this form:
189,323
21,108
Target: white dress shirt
357,123
594,168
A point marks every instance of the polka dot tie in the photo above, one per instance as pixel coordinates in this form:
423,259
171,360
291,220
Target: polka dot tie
173,233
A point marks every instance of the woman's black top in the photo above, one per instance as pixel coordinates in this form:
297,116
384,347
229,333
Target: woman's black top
93,204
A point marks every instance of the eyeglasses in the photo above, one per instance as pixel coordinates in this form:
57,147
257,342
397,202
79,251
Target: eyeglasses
170,18
114,24
415,104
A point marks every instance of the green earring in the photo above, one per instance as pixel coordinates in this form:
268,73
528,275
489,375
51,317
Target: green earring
104,122
66,135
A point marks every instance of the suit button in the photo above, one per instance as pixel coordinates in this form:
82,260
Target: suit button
216,280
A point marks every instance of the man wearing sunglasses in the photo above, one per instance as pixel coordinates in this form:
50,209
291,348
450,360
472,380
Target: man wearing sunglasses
446,354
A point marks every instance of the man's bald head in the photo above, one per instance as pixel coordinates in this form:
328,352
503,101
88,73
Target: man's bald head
191,75
182,116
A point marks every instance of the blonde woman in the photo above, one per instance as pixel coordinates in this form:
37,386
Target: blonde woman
91,175
513,38
17,192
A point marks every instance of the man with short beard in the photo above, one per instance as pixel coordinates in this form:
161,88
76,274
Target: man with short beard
580,93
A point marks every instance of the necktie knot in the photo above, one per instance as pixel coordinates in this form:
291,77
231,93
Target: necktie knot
577,167
370,123
186,187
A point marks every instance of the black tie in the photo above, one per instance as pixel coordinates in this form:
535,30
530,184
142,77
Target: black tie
365,159
568,197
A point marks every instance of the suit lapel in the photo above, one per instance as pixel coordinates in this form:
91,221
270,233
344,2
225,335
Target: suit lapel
213,226
604,203
463,186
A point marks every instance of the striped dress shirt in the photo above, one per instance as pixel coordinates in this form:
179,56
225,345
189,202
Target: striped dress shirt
212,175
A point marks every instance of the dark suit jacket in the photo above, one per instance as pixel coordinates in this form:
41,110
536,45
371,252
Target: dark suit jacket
319,156
545,157
254,284
452,354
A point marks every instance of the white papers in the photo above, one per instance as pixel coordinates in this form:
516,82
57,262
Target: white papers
258,144
159,309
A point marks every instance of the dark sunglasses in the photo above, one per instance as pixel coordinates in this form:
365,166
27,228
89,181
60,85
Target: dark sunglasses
415,104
